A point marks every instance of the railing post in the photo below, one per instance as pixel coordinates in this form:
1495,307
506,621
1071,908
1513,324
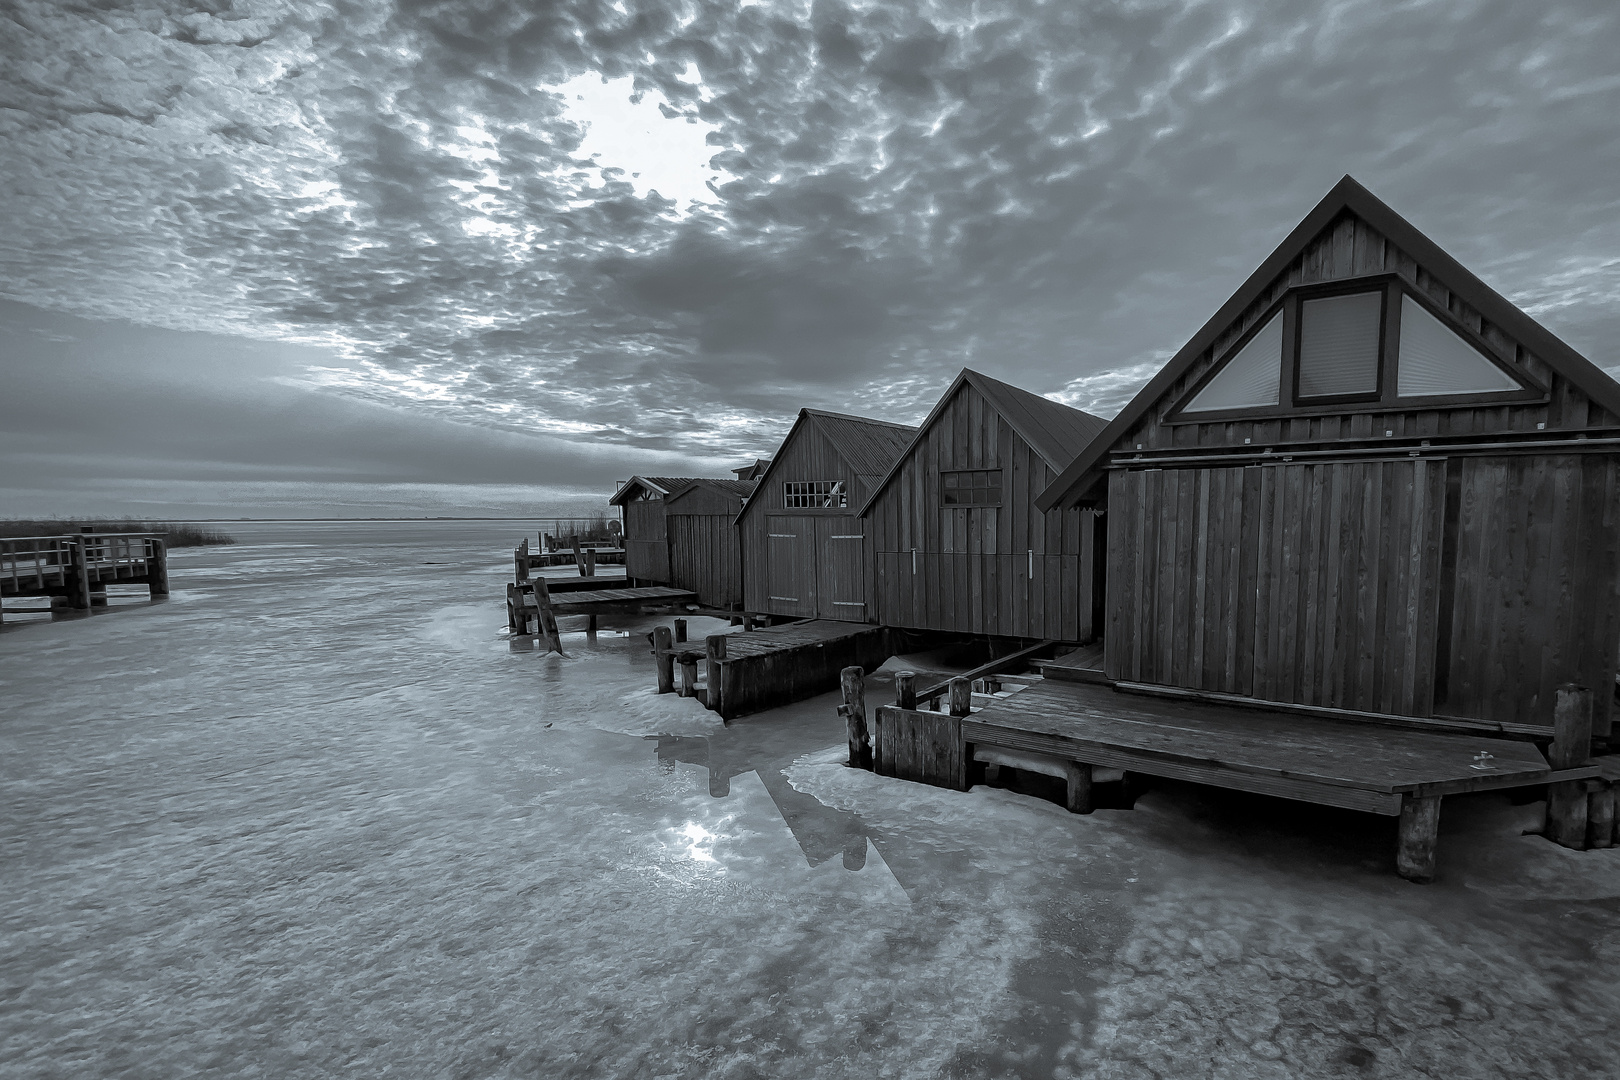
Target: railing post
905,685
961,697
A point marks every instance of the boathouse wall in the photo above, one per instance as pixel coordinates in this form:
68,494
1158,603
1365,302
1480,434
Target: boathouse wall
1001,570
704,554
811,561
1419,555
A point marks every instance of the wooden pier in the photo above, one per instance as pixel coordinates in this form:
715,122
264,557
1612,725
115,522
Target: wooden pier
79,566
1074,730
763,668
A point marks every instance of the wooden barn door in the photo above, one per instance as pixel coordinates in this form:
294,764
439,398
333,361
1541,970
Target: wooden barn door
841,569
1528,586
791,565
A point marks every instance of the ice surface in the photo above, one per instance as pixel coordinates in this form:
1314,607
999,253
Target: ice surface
317,814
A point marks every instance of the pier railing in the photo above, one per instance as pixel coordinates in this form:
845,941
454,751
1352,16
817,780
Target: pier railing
79,566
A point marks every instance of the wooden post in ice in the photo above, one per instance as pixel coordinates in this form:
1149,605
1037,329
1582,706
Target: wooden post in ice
664,658
579,559
905,686
520,561
680,629
1571,747
77,576
689,663
157,568
590,563
1600,818
1077,777
852,682
715,646
548,618
1418,834
961,696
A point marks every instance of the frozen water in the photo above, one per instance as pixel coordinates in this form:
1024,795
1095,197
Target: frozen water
316,813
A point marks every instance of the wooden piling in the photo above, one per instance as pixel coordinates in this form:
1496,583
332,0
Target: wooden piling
1419,832
961,697
689,662
680,629
715,646
905,686
520,560
852,681
157,569
747,623
1600,818
548,617
1077,776
77,576
664,657
579,558
590,563
1571,747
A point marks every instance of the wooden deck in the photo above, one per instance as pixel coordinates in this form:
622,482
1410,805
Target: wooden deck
1084,664
1072,729
588,601
778,665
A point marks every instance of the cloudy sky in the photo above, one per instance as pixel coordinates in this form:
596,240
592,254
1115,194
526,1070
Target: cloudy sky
289,257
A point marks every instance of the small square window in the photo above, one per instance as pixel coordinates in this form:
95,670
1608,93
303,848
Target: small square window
814,494
971,487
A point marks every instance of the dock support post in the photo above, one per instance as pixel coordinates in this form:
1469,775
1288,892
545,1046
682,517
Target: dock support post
1419,832
590,563
852,683
548,618
1571,747
715,646
1600,818
664,657
905,686
590,623
680,629
1077,775
77,577
961,697
520,560
688,674
748,623
579,559
157,569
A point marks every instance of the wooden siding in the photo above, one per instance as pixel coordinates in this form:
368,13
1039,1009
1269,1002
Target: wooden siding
1534,584
704,557
1360,585
792,565
1007,570
1351,248
646,540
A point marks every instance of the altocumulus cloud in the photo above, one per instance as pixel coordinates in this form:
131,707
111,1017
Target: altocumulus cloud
862,197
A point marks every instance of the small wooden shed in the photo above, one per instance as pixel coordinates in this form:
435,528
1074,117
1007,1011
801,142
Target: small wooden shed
1369,483
802,546
640,500
704,555
956,540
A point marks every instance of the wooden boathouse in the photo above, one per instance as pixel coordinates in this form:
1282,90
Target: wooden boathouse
957,542
640,500
704,556
1362,551
803,550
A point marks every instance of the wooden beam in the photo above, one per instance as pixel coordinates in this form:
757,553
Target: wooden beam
994,667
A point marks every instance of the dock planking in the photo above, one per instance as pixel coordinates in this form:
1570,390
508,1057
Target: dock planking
761,669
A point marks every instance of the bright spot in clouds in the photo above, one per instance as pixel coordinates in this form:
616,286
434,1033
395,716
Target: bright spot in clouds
668,155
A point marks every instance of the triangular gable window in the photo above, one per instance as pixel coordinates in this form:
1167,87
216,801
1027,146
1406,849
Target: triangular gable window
1251,379
1435,361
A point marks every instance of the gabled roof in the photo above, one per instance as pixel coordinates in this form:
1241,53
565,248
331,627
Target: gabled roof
662,485
1056,432
736,489
1346,196
869,446
756,469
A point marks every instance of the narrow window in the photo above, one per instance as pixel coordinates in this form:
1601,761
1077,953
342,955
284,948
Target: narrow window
1250,379
971,487
1434,360
814,494
1338,345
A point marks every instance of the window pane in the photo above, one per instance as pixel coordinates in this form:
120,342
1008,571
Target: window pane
1250,379
1338,345
1434,360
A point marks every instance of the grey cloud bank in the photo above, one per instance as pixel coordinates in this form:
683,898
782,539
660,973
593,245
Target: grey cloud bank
395,195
